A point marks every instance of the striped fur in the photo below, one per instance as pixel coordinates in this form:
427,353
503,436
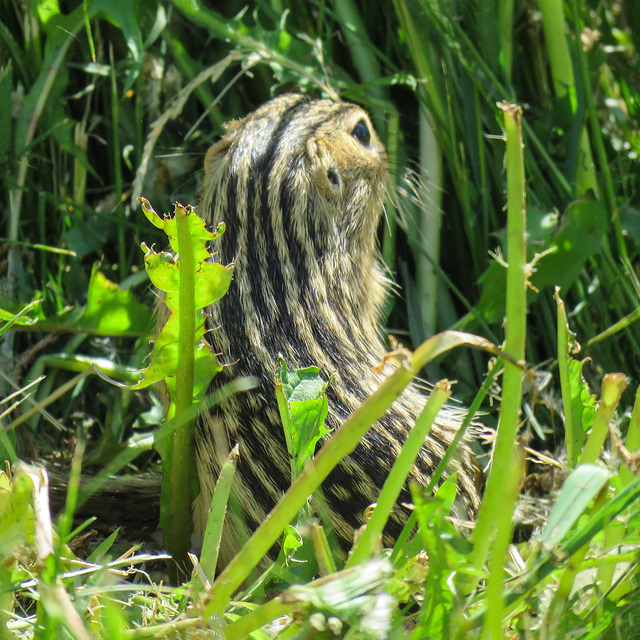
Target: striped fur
302,196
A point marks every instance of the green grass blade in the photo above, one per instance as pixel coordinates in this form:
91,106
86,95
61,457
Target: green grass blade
372,533
216,519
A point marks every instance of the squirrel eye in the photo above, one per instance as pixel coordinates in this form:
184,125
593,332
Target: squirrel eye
361,133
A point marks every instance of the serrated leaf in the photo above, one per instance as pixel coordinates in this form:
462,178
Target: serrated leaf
198,231
162,270
205,368
213,281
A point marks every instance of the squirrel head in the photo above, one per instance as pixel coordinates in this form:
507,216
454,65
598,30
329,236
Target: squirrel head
311,170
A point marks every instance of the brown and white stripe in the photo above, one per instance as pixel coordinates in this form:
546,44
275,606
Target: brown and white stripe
300,185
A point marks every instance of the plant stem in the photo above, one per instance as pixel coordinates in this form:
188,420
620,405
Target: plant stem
341,444
516,310
564,84
504,533
179,521
632,442
505,25
428,223
596,131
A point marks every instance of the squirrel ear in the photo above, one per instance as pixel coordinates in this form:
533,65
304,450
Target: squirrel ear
216,151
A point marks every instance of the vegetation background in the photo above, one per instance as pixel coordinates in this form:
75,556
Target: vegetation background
104,101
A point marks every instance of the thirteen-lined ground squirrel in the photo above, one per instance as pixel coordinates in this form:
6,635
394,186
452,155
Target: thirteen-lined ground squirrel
300,185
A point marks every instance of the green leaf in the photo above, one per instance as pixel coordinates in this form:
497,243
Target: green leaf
304,393
579,489
211,283
112,310
578,238
6,121
17,313
493,283
123,14
583,403
583,227
88,236
16,515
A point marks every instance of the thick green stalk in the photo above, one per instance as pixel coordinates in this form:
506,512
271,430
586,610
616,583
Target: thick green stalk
407,531
613,384
361,49
612,387
429,218
516,310
433,113
178,532
564,84
215,521
341,444
504,534
548,562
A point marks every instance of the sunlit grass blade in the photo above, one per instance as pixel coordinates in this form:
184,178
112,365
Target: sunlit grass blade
215,522
372,532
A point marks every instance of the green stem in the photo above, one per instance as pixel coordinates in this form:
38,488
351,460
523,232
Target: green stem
451,450
516,310
613,384
341,444
391,217
429,220
596,130
564,84
505,25
549,562
632,442
117,168
263,615
179,521
504,532
215,521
